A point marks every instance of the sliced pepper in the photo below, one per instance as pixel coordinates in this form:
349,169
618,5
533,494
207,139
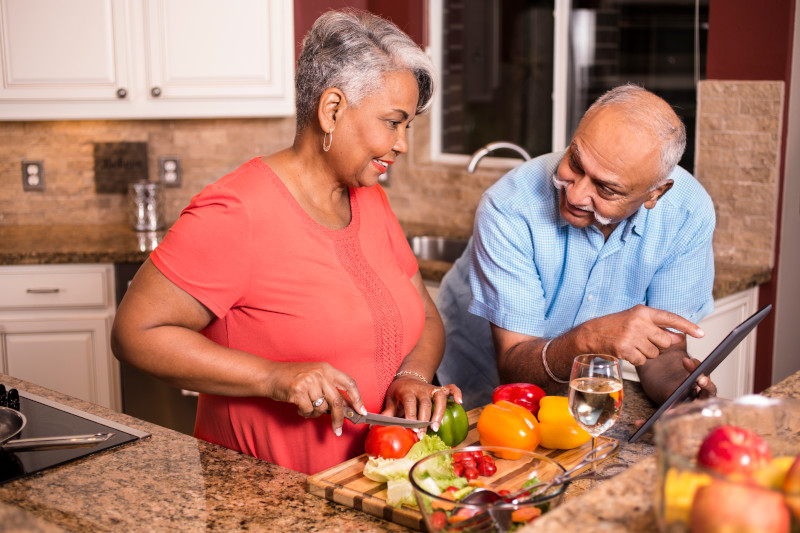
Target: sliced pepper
526,395
557,427
507,424
455,425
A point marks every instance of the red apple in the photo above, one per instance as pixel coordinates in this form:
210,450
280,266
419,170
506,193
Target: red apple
733,450
791,487
725,507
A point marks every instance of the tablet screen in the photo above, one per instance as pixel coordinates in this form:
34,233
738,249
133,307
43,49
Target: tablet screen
684,390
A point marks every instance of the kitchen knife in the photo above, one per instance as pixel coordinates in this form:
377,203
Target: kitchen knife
382,420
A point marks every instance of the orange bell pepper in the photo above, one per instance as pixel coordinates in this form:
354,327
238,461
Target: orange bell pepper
557,427
509,425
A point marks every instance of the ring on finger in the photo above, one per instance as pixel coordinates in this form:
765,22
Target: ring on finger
437,390
319,401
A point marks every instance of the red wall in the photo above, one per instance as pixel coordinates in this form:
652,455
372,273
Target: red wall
409,15
749,40
753,41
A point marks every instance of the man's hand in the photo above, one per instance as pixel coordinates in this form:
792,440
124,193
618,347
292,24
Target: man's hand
636,335
704,387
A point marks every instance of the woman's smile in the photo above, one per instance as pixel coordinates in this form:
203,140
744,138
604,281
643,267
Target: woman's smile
382,165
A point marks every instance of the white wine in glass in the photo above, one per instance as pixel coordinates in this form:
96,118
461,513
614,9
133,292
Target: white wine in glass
595,393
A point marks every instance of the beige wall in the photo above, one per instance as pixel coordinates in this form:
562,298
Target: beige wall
737,162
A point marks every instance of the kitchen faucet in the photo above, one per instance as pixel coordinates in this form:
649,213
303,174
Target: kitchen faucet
491,147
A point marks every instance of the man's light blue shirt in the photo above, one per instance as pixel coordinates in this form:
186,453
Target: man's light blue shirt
533,273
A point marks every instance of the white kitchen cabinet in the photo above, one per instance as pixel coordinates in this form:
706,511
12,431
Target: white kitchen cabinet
117,59
55,322
734,377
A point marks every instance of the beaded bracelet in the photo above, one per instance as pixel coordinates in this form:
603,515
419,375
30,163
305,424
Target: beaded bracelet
547,368
410,373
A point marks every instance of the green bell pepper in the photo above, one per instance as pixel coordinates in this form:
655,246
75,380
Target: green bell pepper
454,427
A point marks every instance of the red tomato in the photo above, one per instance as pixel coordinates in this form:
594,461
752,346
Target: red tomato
458,469
460,456
438,520
468,462
471,473
487,469
389,442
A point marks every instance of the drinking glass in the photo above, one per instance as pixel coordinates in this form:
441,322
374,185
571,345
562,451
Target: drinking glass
595,393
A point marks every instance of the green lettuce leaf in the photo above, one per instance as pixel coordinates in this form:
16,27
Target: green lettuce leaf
394,472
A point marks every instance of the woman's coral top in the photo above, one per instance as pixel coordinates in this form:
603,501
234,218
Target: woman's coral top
288,289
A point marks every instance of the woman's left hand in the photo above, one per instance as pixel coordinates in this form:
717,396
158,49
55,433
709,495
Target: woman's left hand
416,400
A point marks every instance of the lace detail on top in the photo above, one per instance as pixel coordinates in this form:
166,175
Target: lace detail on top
387,327
387,331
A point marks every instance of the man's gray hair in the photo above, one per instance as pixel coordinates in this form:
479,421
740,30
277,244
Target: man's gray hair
352,50
656,116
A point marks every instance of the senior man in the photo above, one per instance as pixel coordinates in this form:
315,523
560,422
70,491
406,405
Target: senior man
604,248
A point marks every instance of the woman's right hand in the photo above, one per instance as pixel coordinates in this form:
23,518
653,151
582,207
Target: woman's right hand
316,388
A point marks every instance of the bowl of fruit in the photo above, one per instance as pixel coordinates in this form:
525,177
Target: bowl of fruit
485,488
729,466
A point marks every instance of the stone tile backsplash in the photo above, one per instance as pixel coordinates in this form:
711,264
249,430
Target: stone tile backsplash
737,161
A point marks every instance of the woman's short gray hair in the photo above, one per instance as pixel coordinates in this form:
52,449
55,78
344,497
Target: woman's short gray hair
352,50
656,116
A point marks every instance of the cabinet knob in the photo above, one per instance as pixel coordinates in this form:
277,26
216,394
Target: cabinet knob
121,93
156,92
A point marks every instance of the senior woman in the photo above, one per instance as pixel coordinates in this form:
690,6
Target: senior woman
287,289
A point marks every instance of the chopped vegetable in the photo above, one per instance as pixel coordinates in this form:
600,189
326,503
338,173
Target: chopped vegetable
394,472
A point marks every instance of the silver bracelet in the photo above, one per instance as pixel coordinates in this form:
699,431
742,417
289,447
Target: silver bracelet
410,373
547,368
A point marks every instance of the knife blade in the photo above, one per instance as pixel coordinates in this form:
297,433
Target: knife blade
382,420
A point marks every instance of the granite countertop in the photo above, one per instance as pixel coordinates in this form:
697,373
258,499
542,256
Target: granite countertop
118,243
171,481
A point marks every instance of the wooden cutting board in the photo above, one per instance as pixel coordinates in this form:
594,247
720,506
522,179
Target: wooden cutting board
346,484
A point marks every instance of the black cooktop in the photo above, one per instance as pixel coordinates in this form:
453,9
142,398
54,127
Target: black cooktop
46,418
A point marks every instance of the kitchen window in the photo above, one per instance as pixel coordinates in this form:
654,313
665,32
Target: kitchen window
525,71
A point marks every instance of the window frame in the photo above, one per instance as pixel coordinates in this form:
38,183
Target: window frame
559,91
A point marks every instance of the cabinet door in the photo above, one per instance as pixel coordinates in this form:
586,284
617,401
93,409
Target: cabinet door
68,356
74,50
211,57
734,377
211,49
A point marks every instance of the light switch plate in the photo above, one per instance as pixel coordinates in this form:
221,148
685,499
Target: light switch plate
33,175
169,168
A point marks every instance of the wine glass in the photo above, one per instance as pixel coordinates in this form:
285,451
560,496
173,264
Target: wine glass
595,394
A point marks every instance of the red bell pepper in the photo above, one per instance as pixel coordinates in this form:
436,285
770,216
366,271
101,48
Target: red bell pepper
526,395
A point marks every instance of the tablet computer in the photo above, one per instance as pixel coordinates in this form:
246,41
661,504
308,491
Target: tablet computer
684,390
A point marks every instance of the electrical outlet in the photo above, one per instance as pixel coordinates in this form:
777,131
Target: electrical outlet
169,167
33,175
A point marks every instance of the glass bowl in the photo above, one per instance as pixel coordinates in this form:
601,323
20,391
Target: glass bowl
514,468
678,436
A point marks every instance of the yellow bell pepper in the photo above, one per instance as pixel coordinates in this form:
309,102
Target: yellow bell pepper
557,427
679,489
507,424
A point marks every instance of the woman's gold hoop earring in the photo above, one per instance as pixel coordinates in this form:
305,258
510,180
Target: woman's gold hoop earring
327,146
